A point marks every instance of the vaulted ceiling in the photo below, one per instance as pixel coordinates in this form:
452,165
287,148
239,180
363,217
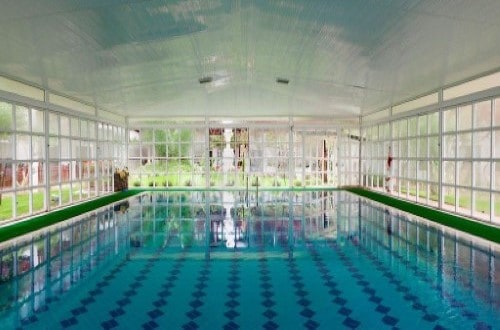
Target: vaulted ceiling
341,58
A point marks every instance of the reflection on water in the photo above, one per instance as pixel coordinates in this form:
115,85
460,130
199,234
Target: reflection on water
38,268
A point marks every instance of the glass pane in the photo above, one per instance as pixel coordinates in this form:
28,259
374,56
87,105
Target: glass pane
434,171
482,145
65,128
433,147
38,121
38,147
482,205
434,123
37,172
22,175
464,174
91,131
22,118
422,147
449,197
464,201
412,126
6,207
422,126
449,120
422,171
482,114
22,203
450,146
75,127
449,172
53,124
65,148
6,122
465,117
23,146
482,177
6,176
38,200
403,128
464,147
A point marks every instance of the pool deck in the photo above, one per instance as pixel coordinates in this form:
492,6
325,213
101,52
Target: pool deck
476,228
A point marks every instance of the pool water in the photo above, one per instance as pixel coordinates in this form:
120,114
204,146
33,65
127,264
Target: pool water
230,260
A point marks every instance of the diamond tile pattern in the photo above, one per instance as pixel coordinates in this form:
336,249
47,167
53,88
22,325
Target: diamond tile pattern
306,299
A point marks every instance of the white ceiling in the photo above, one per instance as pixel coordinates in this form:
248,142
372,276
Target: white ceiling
342,57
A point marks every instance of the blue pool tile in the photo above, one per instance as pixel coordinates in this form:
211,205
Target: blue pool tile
430,317
270,325
78,311
482,326
159,303
268,303
340,301
304,302
164,293
419,306
130,293
155,313
344,311
150,325
231,325
335,292
69,322
306,312
231,314
267,294
117,312
382,309
310,324
190,326
468,314
375,299
196,303
95,292
389,320
269,313
233,294
369,291
87,301
123,302
193,314
109,324
232,304
301,293
351,323
198,294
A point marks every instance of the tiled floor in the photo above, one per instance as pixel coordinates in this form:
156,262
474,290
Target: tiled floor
317,286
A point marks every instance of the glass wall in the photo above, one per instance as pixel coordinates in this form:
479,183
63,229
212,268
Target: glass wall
246,155
403,157
22,160
49,159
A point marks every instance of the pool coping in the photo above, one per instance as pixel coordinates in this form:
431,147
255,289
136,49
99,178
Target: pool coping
483,230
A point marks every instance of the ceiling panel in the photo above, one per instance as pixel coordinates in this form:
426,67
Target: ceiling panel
342,58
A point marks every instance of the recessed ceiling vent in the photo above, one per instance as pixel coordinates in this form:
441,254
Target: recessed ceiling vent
204,80
282,81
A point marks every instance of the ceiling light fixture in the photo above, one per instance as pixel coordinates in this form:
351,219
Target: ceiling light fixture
204,80
282,81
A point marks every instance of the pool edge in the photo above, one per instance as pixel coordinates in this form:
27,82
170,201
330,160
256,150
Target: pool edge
470,226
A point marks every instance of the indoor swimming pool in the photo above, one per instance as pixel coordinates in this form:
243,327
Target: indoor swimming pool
237,260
